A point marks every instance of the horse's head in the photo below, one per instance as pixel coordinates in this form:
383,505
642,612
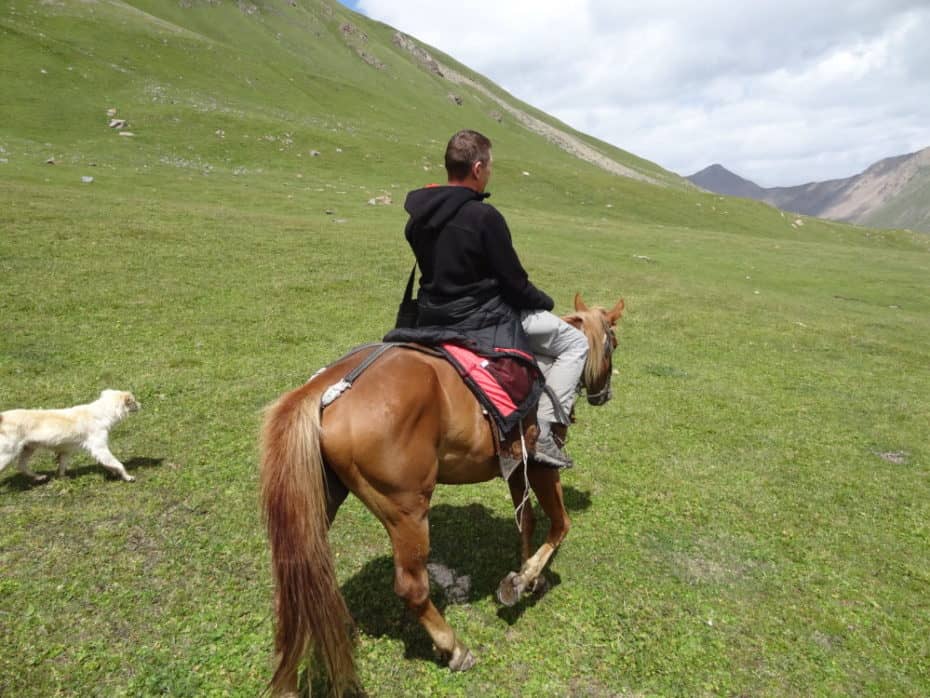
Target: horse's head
598,326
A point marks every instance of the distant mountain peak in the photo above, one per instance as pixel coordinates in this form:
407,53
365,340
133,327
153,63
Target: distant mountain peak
719,179
891,192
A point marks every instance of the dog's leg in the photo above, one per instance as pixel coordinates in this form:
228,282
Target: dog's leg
64,457
6,457
23,464
109,461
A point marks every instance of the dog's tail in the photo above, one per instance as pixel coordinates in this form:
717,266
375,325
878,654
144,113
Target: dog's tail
311,613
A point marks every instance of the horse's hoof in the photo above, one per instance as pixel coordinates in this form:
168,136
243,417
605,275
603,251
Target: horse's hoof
462,659
509,591
539,586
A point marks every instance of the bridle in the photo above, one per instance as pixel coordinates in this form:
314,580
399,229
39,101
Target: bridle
604,394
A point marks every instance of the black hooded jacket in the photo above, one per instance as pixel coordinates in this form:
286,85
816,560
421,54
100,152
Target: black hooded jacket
463,248
472,285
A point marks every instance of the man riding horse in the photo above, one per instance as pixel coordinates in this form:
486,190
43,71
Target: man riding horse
472,284
389,422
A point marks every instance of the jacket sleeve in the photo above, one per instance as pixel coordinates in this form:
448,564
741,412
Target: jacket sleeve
516,287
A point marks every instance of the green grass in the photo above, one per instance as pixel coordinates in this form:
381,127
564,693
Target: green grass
750,511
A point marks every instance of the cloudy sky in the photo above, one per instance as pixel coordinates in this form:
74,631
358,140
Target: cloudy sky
779,91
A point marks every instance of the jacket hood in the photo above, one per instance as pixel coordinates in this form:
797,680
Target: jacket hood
432,207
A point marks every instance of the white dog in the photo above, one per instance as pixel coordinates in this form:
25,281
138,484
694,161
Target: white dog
65,431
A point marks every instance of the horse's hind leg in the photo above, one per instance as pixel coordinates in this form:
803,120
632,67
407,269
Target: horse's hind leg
410,538
336,492
548,488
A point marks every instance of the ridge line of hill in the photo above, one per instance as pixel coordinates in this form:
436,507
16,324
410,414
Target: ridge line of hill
562,139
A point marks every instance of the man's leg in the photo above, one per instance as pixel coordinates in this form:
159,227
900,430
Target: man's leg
562,350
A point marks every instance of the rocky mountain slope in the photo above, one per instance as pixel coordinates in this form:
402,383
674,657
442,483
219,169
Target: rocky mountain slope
892,193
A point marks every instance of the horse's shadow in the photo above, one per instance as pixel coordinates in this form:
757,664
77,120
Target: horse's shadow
471,550
22,483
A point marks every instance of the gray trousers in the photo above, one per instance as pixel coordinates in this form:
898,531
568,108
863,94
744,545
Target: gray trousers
560,351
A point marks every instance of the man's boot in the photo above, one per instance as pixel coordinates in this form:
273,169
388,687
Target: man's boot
511,447
548,451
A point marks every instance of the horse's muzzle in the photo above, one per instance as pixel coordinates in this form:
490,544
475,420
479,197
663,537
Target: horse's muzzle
600,398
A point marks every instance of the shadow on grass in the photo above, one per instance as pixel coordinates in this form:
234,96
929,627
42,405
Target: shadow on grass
575,500
21,483
471,550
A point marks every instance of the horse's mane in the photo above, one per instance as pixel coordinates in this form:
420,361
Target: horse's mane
594,325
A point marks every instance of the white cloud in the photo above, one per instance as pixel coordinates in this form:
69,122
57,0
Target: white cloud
780,91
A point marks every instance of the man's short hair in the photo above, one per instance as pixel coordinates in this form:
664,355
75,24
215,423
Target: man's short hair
466,148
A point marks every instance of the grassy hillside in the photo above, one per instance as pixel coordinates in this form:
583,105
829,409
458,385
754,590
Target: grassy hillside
750,511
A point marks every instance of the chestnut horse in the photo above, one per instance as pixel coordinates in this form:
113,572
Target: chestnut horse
408,423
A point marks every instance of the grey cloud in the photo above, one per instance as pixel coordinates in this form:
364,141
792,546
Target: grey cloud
778,90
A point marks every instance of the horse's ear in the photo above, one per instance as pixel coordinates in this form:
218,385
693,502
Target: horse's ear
574,320
616,312
579,304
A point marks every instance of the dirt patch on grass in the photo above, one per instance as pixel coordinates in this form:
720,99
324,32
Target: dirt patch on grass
896,457
455,587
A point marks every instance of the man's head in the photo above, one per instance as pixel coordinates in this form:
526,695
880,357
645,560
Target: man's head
468,160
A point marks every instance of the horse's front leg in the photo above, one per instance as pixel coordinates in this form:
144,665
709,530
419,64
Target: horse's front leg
523,506
548,488
527,521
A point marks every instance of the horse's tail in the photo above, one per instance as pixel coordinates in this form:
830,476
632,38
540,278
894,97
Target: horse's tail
311,613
